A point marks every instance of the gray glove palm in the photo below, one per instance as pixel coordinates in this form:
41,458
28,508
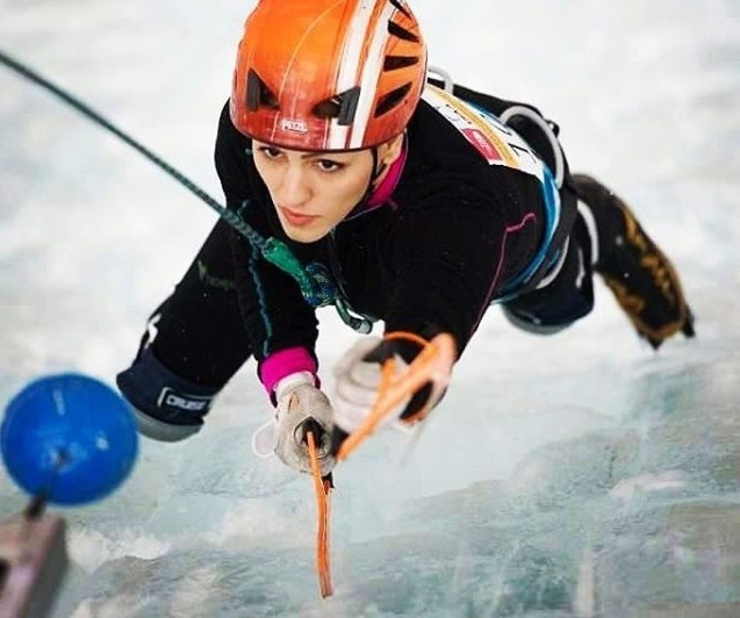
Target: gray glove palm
302,406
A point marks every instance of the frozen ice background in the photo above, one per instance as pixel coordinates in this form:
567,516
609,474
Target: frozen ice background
578,475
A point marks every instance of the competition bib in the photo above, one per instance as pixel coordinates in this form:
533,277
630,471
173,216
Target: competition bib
498,144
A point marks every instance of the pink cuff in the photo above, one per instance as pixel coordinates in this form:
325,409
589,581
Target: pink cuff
280,364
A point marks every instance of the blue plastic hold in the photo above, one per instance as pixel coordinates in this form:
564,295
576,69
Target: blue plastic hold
70,437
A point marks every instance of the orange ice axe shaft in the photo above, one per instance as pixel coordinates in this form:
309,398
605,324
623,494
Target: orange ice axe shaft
322,486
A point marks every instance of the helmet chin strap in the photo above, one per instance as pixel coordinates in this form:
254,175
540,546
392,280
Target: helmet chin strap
374,183
378,168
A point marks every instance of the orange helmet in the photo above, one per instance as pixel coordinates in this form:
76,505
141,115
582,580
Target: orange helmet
328,74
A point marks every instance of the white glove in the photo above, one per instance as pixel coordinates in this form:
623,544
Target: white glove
298,401
357,384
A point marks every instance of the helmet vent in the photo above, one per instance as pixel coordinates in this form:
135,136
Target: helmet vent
392,99
401,32
258,94
400,6
399,62
341,106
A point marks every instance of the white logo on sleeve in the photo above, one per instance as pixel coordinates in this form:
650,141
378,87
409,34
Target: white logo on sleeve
169,399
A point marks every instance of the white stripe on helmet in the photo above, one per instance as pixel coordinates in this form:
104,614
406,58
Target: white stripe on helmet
354,44
349,65
370,75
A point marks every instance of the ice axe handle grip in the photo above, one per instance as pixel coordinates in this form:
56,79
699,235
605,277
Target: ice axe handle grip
338,436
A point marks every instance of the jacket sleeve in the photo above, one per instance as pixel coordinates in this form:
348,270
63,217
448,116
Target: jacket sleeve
276,316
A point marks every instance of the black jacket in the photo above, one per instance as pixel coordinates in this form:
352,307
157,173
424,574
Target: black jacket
455,231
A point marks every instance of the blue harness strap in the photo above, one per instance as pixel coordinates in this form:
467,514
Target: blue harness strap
492,134
549,252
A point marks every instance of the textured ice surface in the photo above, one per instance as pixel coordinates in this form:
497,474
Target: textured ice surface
578,475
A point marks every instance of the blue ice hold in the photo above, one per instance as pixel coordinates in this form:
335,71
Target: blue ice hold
68,437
